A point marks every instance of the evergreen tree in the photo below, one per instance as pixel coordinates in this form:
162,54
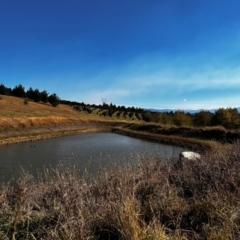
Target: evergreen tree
18,91
44,96
3,89
54,99
30,93
36,96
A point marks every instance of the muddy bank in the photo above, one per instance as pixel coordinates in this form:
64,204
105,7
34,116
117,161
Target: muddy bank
215,133
192,139
183,142
37,134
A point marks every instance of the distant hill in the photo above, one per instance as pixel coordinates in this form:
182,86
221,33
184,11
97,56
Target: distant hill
192,111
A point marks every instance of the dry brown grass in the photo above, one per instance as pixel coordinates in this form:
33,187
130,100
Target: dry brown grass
15,107
151,200
28,122
20,122
15,114
186,142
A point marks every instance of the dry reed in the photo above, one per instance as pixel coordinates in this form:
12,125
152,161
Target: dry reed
150,200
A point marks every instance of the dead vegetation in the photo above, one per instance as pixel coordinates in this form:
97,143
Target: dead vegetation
20,122
150,200
215,133
165,138
15,115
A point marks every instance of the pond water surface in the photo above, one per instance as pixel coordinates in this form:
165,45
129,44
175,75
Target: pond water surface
90,151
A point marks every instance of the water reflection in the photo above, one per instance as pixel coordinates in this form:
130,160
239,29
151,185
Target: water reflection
91,151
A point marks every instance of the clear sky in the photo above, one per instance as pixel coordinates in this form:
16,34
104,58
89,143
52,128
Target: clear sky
151,54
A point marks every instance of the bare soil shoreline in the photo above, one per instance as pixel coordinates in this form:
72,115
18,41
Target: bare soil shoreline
183,142
35,121
41,133
28,134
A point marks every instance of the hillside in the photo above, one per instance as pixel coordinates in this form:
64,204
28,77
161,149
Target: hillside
14,107
21,122
25,122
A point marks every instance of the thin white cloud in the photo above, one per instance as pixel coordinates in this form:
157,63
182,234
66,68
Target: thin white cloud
209,103
208,79
150,81
164,87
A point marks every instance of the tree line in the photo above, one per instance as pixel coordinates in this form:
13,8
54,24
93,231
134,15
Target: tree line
106,110
226,117
33,94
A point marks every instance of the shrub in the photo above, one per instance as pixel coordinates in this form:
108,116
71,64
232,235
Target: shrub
25,101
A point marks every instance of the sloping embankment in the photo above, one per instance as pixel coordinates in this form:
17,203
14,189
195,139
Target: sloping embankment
51,132
215,133
15,130
184,142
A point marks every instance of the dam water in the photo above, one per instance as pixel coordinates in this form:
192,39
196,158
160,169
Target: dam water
89,151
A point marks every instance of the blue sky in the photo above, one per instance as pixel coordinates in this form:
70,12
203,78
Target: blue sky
151,54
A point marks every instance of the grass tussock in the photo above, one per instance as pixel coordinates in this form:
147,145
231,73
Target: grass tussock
185,142
29,122
150,200
15,114
209,133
